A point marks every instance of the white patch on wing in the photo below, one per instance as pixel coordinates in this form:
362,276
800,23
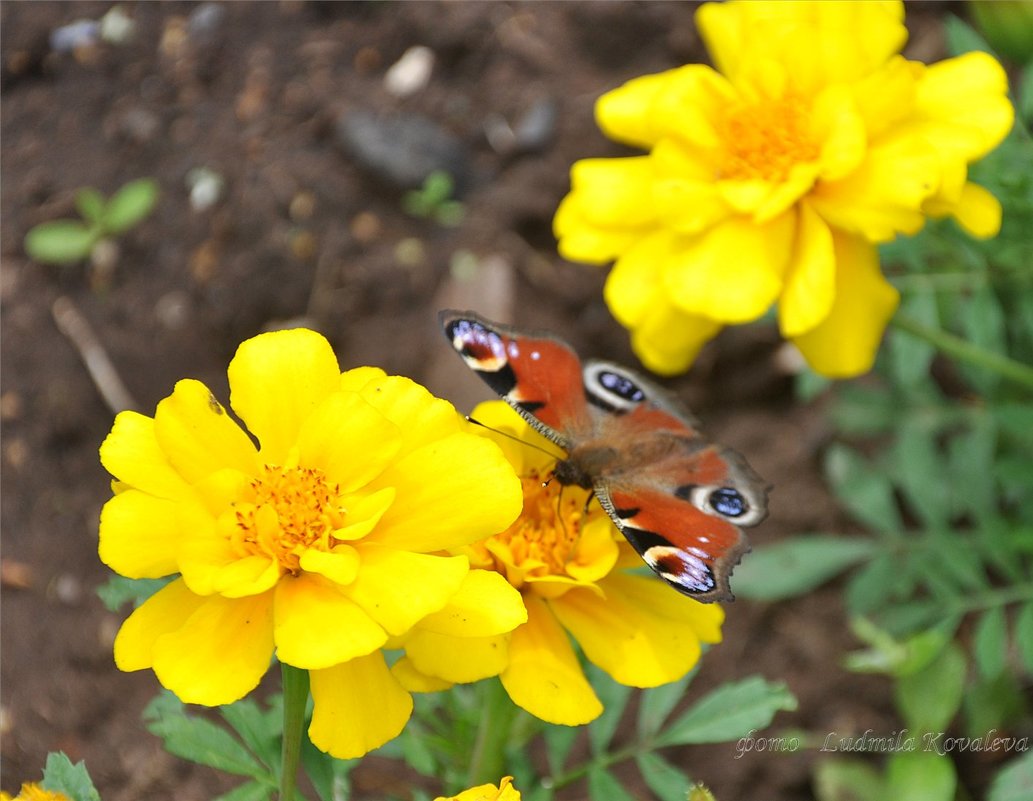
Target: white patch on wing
694,573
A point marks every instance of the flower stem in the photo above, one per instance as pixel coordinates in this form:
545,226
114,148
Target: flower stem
295,697
963,350
488,761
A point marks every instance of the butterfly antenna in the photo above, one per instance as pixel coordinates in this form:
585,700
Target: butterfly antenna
514,437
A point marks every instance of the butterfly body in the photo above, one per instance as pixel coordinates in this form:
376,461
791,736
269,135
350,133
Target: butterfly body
677,498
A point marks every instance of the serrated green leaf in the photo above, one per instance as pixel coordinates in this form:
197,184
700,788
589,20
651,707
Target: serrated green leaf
909,355
847,780
863,410
657,703
959,561
993,704
329,776
929,698
983,322
1015,781
61,241
729,712
418,753
90,204
665,780
559,740
920,776
872,586
198,740
865,490
1024,635
60,775
918,469
119,590
791,568
990,642
260,730
603,786
130,204
614,697
971,466
249,791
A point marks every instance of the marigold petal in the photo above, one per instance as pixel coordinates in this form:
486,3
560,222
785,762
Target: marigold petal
615,192
220,652
687,197
398,588
484,605
248,575
844,344
414,681
669,340
317,626
820,42
965,101
838,125
543,675
364,512
811,282
635,284
451,492
529,451
459,660
131,453
276,380
358,706
976,210
645,593
578,239
338,429
420,417
164,612
637,644
733,272
340,566
356,379
596,552
625,114
197,435
138,535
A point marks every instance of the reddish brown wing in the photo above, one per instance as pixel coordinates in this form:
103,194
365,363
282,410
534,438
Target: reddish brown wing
536,374
678,499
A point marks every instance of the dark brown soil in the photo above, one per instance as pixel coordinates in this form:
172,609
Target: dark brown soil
302,232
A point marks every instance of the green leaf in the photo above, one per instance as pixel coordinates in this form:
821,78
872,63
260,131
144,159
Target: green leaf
971,465
990,642
614,697
909,355
866,491
929,698
130,204
1025,95
74,781
603,786
863,410
249,791
119,590
993,704
1024,635
61,241
920,776
538,793
198,740
983,322
796,566
962,37
657,703
871,586
847,780
1015,781
665,780
729,712
329,776
260,730
918,469
559,740
90,204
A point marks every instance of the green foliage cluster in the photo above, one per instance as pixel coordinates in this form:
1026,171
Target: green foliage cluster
69,241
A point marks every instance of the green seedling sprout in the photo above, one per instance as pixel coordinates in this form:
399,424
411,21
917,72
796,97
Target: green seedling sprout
69,241
432,200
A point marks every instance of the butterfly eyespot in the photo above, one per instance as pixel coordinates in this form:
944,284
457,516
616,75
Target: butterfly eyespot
728,502
621,385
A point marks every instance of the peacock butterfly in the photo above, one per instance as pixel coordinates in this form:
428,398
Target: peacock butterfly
678,499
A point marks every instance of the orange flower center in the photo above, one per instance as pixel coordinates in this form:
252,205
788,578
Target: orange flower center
286,511
766,139
543,539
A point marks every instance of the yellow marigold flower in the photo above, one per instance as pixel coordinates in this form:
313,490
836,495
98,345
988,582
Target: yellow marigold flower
487,792
772,178
320,544
567,559
33,792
